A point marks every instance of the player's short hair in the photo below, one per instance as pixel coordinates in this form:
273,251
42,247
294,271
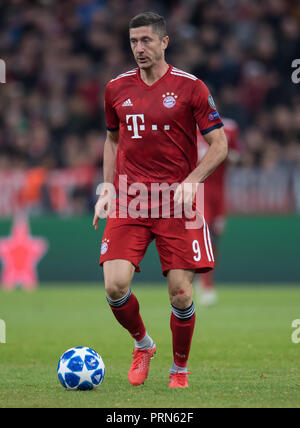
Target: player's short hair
146,19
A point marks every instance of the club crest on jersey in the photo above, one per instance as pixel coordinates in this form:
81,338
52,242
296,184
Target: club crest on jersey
169,99
104,246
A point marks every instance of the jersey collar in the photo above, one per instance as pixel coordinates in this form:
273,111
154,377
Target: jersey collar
157,82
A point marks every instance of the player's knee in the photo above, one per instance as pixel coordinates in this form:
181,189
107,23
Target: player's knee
182,301
182,297
116,288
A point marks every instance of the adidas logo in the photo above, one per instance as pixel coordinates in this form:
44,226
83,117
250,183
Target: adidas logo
127,103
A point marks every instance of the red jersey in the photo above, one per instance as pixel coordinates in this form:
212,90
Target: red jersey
157,124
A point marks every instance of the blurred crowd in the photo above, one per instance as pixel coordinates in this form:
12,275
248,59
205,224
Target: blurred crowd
60,54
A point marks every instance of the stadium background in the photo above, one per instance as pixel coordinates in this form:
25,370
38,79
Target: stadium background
60,54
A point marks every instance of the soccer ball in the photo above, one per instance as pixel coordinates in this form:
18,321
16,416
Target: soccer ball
80,369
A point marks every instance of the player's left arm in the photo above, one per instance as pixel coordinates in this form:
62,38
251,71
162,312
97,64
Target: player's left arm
216,154
211,127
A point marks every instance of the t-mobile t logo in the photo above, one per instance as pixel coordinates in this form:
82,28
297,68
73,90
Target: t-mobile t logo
136,119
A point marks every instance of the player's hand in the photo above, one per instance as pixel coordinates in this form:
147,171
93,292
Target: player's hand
185,194
104,204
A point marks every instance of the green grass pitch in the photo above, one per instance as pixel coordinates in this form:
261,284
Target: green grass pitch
242,353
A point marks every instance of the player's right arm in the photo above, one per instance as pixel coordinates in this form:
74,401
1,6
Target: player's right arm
109,156
106,194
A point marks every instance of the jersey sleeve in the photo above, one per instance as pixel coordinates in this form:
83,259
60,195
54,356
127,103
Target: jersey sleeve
204,109
112,120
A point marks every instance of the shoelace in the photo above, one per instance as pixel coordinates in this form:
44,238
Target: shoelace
141,359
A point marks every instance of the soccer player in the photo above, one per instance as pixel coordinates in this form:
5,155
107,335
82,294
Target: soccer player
151,114
214,205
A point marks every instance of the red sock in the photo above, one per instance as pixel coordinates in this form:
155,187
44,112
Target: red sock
129,317
182,333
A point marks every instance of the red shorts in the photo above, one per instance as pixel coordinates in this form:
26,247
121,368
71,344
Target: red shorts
177,246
